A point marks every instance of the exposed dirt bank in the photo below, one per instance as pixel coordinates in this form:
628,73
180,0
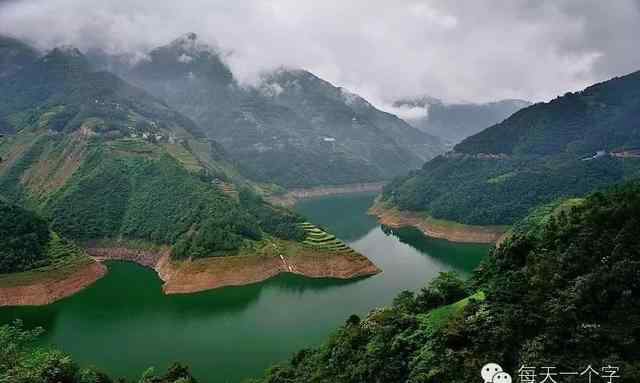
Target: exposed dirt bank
190,276
31,289
211,273
294,195
144,257
451,231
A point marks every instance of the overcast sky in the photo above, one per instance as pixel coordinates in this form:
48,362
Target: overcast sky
456,50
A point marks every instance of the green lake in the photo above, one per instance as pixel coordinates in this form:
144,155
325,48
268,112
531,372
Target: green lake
123,324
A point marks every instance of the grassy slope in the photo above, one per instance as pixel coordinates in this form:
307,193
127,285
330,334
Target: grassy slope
437,318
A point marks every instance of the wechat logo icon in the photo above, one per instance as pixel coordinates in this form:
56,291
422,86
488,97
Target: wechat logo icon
492,373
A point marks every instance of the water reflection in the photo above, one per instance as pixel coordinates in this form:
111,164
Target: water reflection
345,216
461,256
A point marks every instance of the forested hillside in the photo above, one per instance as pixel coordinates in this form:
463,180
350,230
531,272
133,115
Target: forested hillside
23,239
27,243
102,159
562,291
292,128
574,144
601,117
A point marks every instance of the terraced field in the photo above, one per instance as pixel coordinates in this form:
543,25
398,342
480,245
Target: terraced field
320,239
227,188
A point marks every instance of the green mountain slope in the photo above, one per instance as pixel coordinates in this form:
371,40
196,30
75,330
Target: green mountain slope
572,145
561,292
102,159
293,128
454,122
27,243
23,239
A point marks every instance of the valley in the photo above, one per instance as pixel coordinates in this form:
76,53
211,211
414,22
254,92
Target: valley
213,330
321,192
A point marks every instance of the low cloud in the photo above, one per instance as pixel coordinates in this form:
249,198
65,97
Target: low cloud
407,112
455,50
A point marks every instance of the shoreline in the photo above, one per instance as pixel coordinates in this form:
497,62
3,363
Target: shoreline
49,288
192,276
450,231
184,276
291,197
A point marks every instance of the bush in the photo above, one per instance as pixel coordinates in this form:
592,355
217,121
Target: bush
23,239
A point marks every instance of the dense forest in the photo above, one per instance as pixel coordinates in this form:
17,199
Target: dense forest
562,291
23,239
575,144
136,191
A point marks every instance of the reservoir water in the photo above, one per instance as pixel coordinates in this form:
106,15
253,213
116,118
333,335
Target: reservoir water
123,324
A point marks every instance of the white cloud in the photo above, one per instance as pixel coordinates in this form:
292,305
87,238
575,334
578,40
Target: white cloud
407,112
383,50
185,59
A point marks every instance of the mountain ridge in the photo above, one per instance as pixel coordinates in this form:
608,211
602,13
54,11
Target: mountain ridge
455,121
572,145
103,159
291,120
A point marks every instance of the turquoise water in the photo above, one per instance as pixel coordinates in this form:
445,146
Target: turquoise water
123,324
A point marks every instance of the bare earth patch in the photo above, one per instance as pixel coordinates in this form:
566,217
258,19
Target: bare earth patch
36,287
50,284
294,195
190,276
451,231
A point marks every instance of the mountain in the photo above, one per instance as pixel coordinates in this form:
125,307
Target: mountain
457,121
560,292
103,160
292,128
14,54
569,146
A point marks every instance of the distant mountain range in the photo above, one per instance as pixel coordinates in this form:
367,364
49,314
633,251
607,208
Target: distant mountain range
570,146
292,128
454,122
